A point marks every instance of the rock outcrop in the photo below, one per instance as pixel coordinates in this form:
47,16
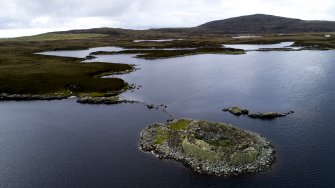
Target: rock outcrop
99,100
265,116
269,115
237,111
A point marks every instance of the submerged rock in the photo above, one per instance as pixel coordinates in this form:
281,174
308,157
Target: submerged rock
90,57
237,111
269,115
208,147
150,106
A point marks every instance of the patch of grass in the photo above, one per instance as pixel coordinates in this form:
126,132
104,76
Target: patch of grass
236,110
97,94
161,136
62,93
200,150
243,157
180,124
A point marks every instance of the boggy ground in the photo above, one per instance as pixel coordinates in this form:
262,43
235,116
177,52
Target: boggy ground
160,54
24,72
208,147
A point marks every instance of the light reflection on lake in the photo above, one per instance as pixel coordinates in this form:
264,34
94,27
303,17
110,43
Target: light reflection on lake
262,46
64,144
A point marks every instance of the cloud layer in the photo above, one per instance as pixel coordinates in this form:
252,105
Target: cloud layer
142,14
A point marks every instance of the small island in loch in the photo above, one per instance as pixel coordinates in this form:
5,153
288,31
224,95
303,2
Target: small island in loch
210,148
237,111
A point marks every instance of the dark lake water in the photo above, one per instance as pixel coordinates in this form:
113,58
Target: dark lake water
65,144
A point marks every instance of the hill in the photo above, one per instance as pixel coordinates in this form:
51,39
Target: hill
261,23
251,24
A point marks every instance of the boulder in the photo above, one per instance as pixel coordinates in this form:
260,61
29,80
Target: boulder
269,115
237,111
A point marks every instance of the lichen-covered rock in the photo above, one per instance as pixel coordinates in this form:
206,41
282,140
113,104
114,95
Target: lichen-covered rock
208,147
237,111
269,115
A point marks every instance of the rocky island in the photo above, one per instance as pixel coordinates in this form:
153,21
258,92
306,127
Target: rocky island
208,147
236,111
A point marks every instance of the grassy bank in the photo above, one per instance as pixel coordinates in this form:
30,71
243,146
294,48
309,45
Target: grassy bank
23,72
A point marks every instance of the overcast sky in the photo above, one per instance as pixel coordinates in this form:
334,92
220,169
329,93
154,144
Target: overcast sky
26,17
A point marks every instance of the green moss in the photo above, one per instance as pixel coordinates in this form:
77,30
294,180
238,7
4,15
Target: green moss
200,150
243,157
97,94
62,93
180,124
235,110
161,136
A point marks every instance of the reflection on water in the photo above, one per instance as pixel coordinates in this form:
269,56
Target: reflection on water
64,144
257,46
157,40
80,53
246,37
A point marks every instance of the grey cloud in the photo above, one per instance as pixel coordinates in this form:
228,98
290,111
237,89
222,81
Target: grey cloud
147,13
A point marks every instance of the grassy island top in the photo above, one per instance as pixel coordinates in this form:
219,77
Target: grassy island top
209,147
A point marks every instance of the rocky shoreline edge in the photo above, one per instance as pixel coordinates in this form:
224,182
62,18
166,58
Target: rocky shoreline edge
107,100
29,97
204,147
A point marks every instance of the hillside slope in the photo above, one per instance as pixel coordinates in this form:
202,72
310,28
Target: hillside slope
261,23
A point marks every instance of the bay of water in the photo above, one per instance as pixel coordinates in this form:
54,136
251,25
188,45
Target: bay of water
65,144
